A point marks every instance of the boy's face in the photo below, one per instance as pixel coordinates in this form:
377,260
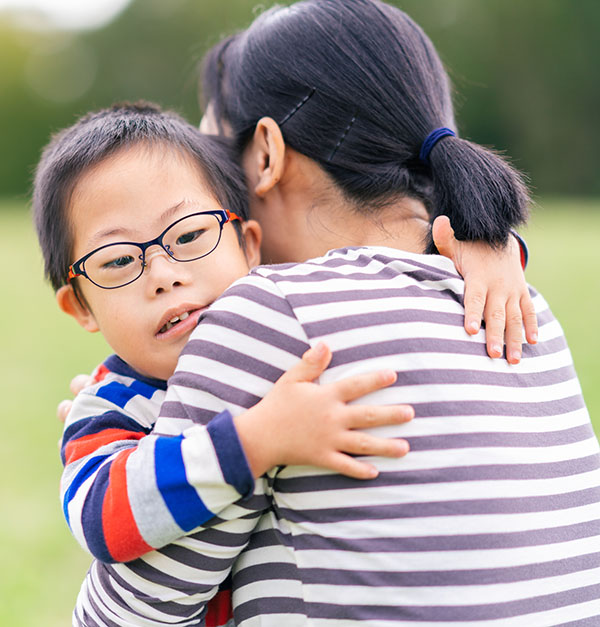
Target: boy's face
133,196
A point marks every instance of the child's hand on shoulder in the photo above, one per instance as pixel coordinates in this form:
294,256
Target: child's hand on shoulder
495,290
300,422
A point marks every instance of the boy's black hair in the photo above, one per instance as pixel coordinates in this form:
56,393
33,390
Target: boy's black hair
357,86
100,134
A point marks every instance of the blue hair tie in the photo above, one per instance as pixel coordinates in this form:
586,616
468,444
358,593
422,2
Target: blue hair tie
431,140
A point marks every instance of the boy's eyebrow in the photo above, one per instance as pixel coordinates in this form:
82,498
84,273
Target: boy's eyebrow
186,202
175,208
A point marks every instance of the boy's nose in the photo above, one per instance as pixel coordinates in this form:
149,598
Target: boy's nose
162,272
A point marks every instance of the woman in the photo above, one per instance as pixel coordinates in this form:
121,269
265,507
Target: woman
336,106
342,115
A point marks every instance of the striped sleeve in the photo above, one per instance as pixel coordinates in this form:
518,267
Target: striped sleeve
126,490
234,357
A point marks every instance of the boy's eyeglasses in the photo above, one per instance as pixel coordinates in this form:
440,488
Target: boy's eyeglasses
187,239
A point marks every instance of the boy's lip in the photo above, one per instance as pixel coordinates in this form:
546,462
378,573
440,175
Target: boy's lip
184,326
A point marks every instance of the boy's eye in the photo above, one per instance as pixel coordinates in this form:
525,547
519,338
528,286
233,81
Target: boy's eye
189,237
119,262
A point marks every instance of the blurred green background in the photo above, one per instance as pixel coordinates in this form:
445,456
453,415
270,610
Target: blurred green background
527,82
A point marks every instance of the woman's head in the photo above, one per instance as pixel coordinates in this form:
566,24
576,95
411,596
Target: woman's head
356,86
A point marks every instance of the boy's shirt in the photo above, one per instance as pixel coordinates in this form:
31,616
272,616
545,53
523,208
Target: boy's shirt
127,490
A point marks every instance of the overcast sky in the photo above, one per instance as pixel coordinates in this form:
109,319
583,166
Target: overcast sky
69,13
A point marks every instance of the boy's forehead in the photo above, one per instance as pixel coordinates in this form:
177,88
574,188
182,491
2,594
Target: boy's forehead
136,189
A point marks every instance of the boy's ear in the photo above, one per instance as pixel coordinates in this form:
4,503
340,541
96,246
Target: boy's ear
267,159
252,233
69,303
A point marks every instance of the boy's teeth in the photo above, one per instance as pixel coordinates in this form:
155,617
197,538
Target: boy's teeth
172,321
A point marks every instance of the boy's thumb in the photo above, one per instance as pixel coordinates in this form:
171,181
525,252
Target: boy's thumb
314,361
443,237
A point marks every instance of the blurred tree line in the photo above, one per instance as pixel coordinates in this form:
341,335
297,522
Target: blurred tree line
525,72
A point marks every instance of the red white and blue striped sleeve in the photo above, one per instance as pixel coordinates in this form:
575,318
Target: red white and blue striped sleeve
126,490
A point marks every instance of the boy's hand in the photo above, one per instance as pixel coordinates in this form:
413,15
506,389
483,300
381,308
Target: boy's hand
495,289
77,384
303,423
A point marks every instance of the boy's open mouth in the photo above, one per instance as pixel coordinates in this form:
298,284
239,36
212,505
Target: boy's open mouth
176,323
175,320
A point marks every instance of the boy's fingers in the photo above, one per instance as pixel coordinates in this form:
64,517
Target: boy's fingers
474,301
367,416
354,387
443,237
495,323
514,332
346,465
530,321
360,443
314,361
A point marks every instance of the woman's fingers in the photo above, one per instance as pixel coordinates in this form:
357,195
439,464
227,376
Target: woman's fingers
63,409
77,384
80,382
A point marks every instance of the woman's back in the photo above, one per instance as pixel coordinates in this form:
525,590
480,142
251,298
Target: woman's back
493,515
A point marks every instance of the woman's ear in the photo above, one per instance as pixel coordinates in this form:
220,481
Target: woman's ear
252,233
267,156
69,303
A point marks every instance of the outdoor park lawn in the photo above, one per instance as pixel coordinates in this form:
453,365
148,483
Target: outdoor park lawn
42,566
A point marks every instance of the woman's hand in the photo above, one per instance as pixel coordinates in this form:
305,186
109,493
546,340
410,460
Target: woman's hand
77,384
495,289
302,423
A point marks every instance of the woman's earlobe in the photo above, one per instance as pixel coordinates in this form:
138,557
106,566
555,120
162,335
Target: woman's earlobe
70,304
269,148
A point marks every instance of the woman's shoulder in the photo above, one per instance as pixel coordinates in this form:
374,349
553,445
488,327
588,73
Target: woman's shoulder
351,260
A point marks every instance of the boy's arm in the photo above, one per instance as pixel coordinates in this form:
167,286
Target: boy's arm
127,489
123,486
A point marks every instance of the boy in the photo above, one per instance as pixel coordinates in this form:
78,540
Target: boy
141,221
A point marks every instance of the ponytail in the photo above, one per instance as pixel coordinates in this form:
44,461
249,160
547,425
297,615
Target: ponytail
357,86
481,193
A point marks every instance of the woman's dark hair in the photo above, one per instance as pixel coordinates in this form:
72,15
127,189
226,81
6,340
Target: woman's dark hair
357,86
101,134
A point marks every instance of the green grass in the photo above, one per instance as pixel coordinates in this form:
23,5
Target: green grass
42,566
564,266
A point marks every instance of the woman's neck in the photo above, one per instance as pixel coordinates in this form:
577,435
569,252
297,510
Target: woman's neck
306,214
403,225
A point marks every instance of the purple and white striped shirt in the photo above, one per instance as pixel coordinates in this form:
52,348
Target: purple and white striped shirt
493,518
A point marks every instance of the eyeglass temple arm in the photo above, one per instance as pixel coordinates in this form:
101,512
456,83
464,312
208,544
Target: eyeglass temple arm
72,274
232,216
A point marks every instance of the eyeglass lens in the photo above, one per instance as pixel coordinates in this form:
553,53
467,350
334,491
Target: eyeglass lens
192,237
